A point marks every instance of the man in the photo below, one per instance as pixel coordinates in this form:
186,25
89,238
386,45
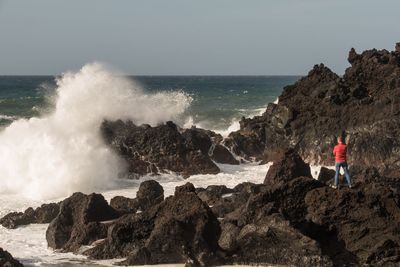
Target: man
339,152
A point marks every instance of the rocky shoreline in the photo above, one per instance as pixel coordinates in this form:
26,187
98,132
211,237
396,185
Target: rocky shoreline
290,219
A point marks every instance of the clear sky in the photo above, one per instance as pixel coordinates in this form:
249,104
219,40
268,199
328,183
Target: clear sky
173,37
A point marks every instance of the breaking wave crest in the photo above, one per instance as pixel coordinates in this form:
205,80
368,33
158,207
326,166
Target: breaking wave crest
62,151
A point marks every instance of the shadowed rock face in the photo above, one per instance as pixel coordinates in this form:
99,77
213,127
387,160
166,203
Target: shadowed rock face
79,222
7,260
290,165
162,148
364,105
180,228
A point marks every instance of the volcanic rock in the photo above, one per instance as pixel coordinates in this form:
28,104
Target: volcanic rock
362,105
180,228
222,155
158,149
214,193
272,240
43,214
149,194
186,188
326,175
7,260
79,222
287,167
359,226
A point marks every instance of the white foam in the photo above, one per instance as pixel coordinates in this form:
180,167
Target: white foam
29,245
63,152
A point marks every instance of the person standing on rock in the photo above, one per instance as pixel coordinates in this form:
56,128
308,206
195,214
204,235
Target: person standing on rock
339,151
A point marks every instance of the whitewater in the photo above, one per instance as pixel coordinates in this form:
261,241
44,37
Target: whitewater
47,158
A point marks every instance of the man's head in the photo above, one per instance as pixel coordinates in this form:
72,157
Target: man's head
339,140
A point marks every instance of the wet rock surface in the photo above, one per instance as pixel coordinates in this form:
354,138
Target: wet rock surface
7,260
161,148
43,214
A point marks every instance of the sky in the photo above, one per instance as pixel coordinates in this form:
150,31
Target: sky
191,37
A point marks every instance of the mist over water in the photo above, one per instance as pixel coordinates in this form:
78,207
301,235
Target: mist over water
62,152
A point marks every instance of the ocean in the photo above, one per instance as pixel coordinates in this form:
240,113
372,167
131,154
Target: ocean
50,145
218,101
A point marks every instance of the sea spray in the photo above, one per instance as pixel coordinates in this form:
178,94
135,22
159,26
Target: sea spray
63,152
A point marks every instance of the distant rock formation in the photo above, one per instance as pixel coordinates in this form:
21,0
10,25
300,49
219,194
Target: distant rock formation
363,105
164,148
43,214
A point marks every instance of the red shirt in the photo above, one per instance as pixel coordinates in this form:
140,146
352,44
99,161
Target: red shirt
340,152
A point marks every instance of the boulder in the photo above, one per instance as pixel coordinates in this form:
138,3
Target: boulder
222,155
358,226
161,148
273,241
186,188
7,260
79,222
124,204
149,194
180,229
326,175
43,214
287,167
214,193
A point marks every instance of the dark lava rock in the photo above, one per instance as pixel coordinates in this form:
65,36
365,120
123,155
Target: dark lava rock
362,105
43,214
7,260
272,240
79,222
182,228
359,226
214,193
149,194
222,155
186,188
125,204
287,167
326,175
157,149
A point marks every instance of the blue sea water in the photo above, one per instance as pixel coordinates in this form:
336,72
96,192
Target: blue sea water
217,100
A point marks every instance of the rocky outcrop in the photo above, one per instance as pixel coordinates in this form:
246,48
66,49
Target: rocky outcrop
360,226
362,105
292,220
79,222
7,260
161,148
149,194
182,228
43,214
288,166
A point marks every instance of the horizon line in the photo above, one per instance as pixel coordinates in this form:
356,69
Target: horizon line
170,75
